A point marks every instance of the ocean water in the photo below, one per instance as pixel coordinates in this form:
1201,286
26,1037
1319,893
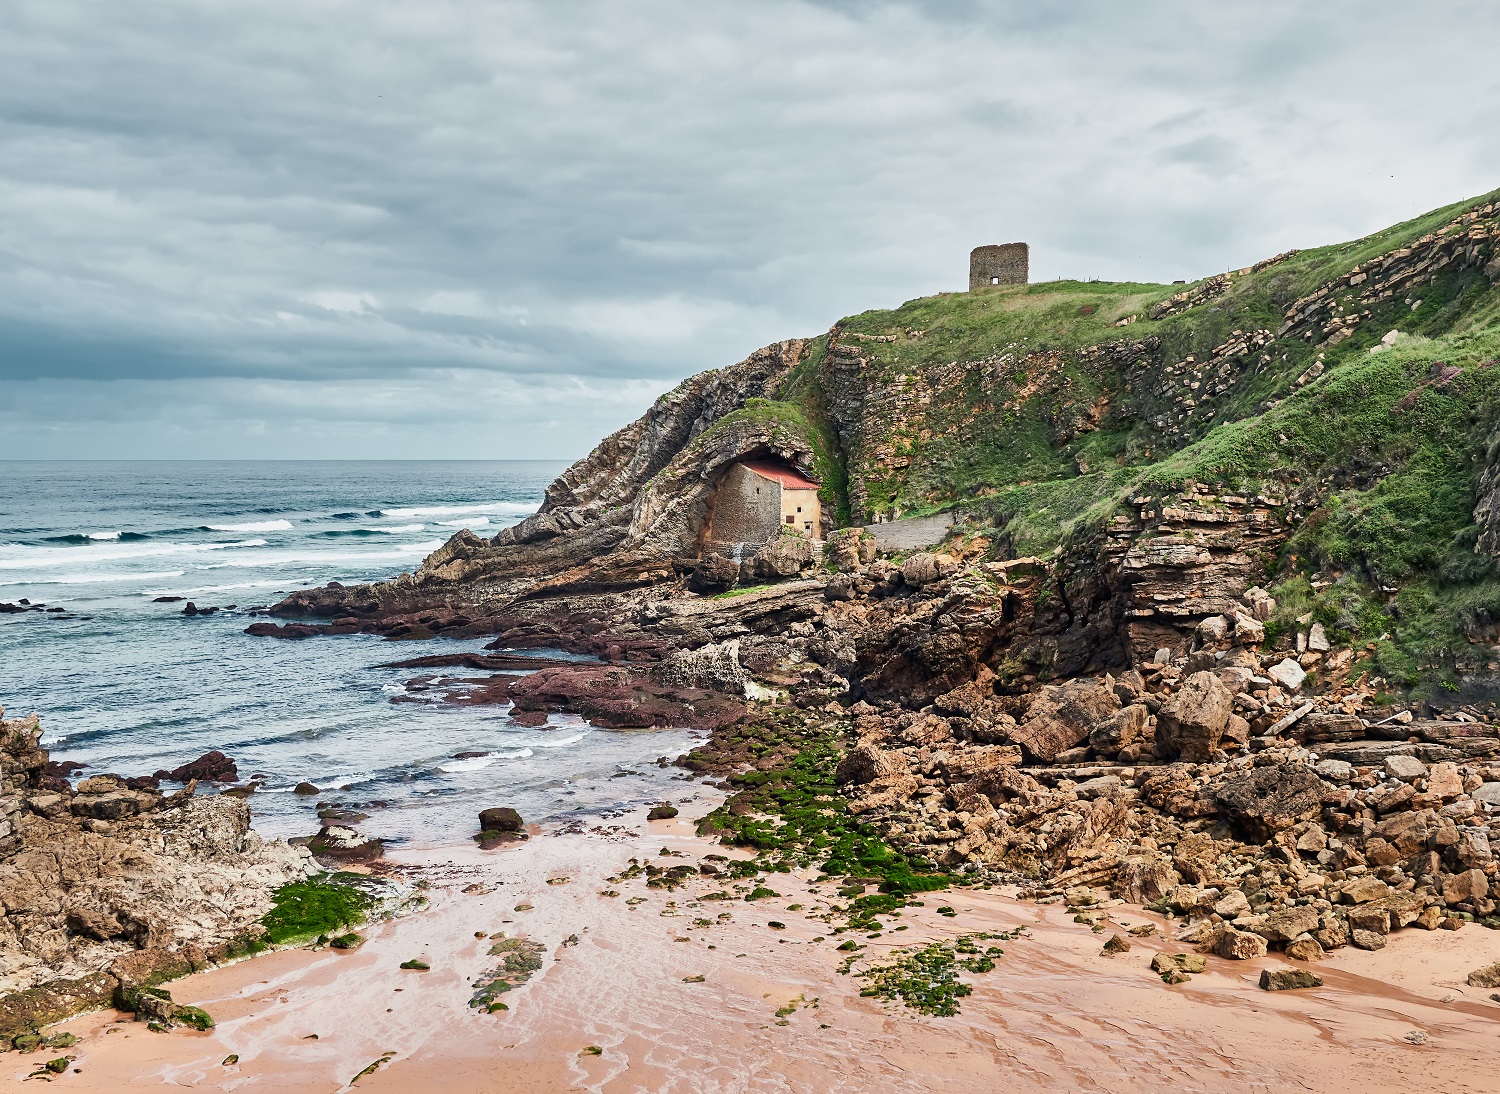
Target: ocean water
129,685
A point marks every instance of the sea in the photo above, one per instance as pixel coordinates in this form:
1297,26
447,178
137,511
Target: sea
127,683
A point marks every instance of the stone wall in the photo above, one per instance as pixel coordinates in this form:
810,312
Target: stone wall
802,506
746,509
999,264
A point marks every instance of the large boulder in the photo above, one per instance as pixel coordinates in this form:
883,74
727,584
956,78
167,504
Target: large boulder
1062,717
210,767
848,549
1189,725
500,818
866,763
924,567
1269,799
785,556
1120,730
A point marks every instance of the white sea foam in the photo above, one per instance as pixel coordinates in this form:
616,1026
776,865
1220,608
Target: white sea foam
393,689
103,535
573,740
512,508
15,556
479,522
92,579
256,526
472,763
401,528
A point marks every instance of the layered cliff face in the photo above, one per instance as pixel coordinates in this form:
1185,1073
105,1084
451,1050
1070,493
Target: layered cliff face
1328,410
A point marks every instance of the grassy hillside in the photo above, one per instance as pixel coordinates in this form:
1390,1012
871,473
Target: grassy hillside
1044,406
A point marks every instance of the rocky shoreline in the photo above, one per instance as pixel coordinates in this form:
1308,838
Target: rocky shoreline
107,888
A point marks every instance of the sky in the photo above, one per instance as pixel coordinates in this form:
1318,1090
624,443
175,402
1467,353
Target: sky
500,228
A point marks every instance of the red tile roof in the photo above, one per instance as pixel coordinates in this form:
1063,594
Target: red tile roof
790,478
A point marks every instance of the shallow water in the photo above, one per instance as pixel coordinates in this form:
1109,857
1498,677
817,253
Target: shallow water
129,685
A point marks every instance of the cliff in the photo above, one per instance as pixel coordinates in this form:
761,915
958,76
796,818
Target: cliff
1213,629
1342,396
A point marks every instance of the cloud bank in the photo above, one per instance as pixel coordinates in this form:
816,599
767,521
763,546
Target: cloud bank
470,228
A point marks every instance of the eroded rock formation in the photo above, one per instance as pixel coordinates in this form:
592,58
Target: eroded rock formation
103,885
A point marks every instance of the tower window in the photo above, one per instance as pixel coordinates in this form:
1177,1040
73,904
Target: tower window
994,281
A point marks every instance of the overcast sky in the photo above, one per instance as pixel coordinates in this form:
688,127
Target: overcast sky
481,228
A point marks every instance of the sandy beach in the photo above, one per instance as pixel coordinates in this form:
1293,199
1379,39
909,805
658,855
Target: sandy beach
772,1012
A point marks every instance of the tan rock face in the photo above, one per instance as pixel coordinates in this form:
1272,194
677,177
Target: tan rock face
1063,716
88,878
1189,725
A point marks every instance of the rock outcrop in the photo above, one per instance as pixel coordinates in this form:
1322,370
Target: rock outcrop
103,885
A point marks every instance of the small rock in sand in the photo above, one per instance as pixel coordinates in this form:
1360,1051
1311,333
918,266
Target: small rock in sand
1288,979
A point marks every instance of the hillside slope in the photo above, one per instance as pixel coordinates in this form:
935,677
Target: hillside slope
1341,400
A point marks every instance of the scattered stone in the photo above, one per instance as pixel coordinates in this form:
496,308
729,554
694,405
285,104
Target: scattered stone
1289,979
1239,945
1288,674
661,812
1486,977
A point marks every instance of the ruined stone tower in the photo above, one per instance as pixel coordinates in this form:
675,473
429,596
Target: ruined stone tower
999,264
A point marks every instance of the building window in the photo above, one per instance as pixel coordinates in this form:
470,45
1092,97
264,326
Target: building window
799,508
791,520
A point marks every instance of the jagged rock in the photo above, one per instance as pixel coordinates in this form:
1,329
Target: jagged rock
1120,730
714,573
1288,924
1238,945
1145,879
785,556
923,568
1189,725
1486,977
849,548
1304,949
716,667
1269,800
1289,979
210,767
1405,768
1287,674
1467,887
866,763
1232,905
1062,716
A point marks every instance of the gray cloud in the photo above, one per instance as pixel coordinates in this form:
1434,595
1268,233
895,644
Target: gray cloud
469,228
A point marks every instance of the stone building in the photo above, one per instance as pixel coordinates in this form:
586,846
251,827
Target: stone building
756,499
999,264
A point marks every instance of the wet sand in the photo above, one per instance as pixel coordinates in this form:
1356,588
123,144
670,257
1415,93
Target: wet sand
1054,1015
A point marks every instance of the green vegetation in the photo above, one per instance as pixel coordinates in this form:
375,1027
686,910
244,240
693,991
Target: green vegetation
792,815
925,978
320,906
194,1017
520,958
1041,409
